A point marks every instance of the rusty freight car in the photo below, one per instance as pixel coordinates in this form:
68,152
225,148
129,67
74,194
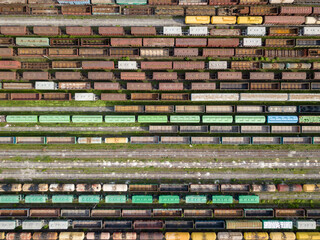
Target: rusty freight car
188,65
46,30
223,42
126,42
156,65
79,31
158,42
142,31
218,52
162,76
111,31
191,42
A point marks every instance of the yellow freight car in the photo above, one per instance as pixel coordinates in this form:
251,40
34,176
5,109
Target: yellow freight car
177,236
203,236
223,20
116,140
308,235
197,19
282,236
256,236
250,20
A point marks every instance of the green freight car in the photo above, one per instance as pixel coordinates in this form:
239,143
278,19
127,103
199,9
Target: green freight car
87,119
10,198
116,199
217,119
36,198
89,198
185,119
142,199
152,119
62,199
309,119
250,119
169,199
222,199
120,119
132,2
244,199
32,42
196,199
54,118
22,119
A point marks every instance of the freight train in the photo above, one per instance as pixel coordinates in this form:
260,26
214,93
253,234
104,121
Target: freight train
160,235
155,7
184,212
76,224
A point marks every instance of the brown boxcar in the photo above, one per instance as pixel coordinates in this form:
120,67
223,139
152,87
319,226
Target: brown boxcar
197,76
243,65
313,52
57,96
289,10
161,76
126,42
203,86
8,75
228,213
105,213
223,2
4,96
139,86
35,75
188,65
229,75
225,32
156,65
262,11
158,42
261,76
136,213
124,52
288,213
43,10
111,31
174,96
106,86
148,224
113,96
66,64
106,9
283,31
68,75
191,42
93,52
6,41
14,212
35,65
32,52
75,10
45,212
131,108
280,42
193,2
170,86
132,76
264,86
79,31
15,85
74,85
10,65
159,108
172,10
144,96
284,20
6,52
64,42
223,42
25,96
63,52
138,10
9,9
162,2
245,2
218,52
98,65
95,42
316,10
143,31
14,30
294,75
100,75
248,52
286,53
46,31
186,52
200,11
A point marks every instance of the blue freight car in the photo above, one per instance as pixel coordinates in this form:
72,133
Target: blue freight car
282,119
